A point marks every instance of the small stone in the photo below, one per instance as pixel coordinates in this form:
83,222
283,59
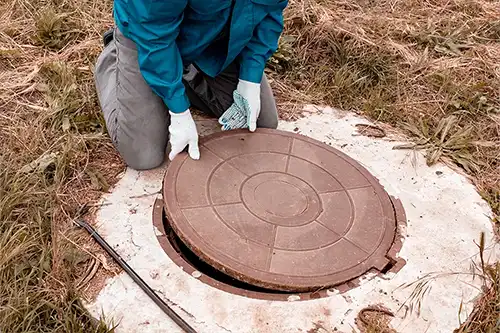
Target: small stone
439,173
196,274
293,298
332,292
157,232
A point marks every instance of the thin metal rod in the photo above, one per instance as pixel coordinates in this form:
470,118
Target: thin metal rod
137,279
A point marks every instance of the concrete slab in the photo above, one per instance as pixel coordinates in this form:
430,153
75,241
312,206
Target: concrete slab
445,215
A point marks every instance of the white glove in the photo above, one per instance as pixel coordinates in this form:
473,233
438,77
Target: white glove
251,93
183,132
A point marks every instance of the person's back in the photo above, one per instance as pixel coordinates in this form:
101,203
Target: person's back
168,55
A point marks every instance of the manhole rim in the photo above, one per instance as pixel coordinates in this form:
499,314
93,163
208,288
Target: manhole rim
378,260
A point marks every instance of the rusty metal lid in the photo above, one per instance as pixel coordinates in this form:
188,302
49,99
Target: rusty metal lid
279,210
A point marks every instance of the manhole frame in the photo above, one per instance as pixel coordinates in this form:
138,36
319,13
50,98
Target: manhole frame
395,263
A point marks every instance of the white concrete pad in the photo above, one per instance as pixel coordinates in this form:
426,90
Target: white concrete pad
445,216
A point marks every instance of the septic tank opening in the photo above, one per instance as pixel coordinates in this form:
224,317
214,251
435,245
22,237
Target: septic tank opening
185,253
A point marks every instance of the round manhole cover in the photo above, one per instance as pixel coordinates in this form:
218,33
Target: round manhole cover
279,210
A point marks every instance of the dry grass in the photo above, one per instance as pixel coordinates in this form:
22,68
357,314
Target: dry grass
54,157
485,316
430,67
375,319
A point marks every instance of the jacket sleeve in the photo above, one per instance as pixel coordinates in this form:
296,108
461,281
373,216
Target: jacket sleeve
263,43
154,26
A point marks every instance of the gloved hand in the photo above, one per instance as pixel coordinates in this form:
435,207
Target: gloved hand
237,115
183,132
245,109
251,93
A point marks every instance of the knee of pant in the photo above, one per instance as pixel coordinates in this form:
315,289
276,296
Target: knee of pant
143,159
269,122
273,124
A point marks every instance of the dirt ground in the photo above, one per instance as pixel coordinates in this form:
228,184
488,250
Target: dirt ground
430,68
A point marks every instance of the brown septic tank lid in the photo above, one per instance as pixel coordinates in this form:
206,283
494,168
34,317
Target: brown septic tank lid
279,210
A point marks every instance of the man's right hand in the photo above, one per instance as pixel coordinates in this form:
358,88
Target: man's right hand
183,133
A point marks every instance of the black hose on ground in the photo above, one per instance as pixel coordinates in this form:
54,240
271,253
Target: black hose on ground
137,279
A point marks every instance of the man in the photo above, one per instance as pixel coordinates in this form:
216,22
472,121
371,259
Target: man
166,56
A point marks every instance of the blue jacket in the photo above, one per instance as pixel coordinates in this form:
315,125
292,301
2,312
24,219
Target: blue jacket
171,34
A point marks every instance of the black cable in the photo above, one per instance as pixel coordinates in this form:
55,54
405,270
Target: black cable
137,279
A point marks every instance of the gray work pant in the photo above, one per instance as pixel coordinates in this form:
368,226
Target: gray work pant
137,119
